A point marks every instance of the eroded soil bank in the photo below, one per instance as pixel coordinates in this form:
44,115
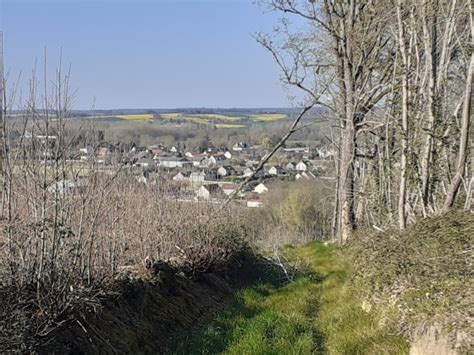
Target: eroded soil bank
149,314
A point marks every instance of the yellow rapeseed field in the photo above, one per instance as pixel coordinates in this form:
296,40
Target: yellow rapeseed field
142,117
268,117
229,125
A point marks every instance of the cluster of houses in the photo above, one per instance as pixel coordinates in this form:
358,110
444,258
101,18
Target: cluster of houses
215,174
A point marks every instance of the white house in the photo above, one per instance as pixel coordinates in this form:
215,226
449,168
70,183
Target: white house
197,176
214,160
173,149
210,191
146,163
229,188
63,187
296,150
198,160
290,166
276,170
254,203
172,162
87,150
308,175
181,176
142,179
248,172
226,171
260,188
241,146
228,155
302,166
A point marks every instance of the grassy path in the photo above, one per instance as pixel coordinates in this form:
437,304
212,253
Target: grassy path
318,313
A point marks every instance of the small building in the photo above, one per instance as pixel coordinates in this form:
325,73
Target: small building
210,191
254,203
291,166
240,147
146,163
308,175
303,165
142,179
296,150
181,176
198,159
226,170
68,187
229,188
197,176
228,155
173,162
214,160
277,170
248,172
260,188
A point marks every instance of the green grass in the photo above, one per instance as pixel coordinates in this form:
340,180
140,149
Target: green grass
318,313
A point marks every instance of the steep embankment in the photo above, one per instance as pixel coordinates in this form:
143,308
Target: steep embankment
151,309
424,276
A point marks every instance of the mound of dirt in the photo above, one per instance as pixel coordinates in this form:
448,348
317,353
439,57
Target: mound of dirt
151,313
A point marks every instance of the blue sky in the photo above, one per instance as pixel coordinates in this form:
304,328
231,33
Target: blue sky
147,54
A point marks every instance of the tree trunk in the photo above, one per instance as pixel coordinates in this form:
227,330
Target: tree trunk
430,43
402,218
462,155
346,183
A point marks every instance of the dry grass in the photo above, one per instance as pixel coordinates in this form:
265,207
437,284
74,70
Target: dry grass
54,265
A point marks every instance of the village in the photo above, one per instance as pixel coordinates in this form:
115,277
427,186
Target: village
211,175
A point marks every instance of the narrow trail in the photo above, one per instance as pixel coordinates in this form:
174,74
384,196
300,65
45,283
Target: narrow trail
317,313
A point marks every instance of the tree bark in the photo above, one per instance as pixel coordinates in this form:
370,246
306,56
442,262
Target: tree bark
404,139
464,141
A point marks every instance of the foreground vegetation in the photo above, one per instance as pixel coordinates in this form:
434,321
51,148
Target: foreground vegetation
380,295
320,312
